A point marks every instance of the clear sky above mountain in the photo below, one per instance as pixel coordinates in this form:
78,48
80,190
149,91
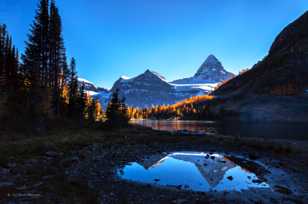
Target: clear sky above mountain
173,37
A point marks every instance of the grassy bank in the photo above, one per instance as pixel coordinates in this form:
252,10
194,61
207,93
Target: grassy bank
72,139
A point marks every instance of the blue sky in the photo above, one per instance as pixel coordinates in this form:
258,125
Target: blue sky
110,38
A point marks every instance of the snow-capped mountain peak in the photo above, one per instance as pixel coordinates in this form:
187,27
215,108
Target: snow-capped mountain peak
211,64
211,71
151,73
151,88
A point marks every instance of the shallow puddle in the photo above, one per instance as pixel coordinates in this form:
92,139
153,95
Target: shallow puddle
195,171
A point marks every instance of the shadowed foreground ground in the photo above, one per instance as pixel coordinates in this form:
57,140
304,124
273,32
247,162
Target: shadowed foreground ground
78,166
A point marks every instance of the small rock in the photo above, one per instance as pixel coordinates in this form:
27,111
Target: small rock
179,201
4,171
6,184
230,178
252,156
258,181
179,187
283,190
38,184
281,164
22,188
47,177
31,162
12,165
69,162
53,154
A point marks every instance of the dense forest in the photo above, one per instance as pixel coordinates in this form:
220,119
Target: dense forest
194,108
40,87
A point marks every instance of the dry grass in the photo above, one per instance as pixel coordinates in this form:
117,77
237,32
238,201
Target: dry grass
74,139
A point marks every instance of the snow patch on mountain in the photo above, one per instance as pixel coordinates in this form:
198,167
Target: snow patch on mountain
91,93
97,93
85,80
211,71
207,87
125,77
156,74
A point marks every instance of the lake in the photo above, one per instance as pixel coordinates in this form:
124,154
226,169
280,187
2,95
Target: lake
296,131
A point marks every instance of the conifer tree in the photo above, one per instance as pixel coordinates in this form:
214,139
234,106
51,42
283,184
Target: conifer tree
73,90
35,61
57,58
4,58
81,103
92,112
2,48
11,85
116,113
8,61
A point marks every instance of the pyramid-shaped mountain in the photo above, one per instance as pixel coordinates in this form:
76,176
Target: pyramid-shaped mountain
211,71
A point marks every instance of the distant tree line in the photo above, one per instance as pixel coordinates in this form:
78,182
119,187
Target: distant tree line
42,86
194,108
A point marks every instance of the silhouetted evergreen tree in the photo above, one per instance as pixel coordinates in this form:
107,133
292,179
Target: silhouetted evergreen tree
2,48
11,81
73,90
8,61
92,112
81,103
57,58
35,63
116,112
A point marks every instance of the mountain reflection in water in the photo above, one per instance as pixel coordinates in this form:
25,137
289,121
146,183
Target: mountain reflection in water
195,171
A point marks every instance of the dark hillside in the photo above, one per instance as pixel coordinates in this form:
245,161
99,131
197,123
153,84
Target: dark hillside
283,72
276,88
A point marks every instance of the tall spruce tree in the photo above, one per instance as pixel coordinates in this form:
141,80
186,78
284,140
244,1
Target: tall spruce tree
36,62
2,48
73,90
2,52
81,104
92,112
8,61
35,59
10,81
57,58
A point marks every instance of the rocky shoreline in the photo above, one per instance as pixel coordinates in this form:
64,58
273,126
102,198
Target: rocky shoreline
88,174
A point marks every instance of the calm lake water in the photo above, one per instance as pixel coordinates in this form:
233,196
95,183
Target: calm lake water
297,131
197,171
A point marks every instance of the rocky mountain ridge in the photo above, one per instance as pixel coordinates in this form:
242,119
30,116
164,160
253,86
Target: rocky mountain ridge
151,88
211,71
